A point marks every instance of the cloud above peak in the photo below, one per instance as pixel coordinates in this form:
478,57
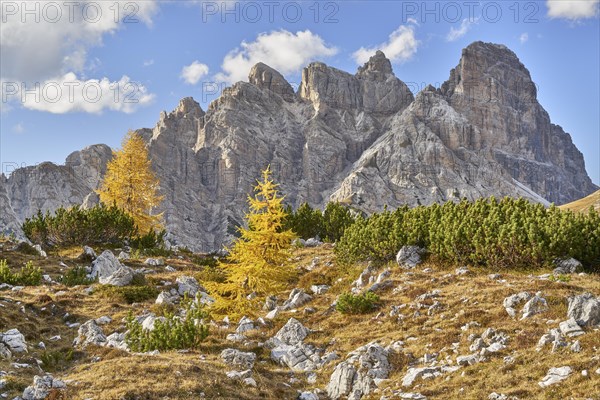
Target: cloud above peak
465,26
572,9
192,73
285,51
401,46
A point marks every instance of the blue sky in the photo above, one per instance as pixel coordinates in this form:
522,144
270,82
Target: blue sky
173,49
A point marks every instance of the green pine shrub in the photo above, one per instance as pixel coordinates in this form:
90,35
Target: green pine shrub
507,233
174,333
128,294
76,276
329,224
55,361
349,303
305,222
99,225
153,240
336,219
27,276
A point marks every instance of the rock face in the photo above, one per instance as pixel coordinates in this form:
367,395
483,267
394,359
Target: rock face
47,186
238,358
360,138
555,375
42,386
14,341
494,90
356,376
105,266
584,309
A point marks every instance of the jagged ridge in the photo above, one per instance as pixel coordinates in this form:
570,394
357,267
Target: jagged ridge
359,138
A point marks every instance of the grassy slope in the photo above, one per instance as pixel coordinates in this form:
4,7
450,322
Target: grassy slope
593,200
173,375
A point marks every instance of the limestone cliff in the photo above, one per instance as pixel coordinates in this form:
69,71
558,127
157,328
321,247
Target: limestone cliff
359,138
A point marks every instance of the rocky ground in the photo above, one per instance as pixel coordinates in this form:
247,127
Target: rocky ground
438,333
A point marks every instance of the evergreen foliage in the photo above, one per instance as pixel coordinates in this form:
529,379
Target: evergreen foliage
76,226
509,233
153,242
131,184
349,303
174,333
27,276
255,266
336,218
305,222
330,224
76,276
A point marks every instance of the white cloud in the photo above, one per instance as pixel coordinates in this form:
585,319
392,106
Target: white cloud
524,37
401,46
59,41
68,93
572,9
192,73
148,63
457,33
285,51
19,128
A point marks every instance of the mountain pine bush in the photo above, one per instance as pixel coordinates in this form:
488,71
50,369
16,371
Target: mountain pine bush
330,224
174,333
349,303
506,233
27,276
305,222
76,226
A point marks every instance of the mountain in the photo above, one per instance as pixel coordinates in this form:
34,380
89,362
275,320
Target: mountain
362,139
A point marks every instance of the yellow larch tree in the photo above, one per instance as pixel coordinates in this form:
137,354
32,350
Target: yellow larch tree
131,184
255,267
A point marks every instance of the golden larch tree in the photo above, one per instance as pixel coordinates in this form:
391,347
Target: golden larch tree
255,267
131,184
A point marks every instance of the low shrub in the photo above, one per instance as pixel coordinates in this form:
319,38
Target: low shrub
205,260
27,276
507,233
76,226
329,224
174,333
76,276
349,303
26,248
152,240
128,294
560,278
56,360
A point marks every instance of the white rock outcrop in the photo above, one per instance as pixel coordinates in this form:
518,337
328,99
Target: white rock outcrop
555,375
357,376
42,385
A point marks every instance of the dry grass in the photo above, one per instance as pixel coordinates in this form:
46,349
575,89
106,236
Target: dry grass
174,375
583,205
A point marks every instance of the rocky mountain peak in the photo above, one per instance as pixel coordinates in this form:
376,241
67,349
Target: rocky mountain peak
485,69
188,107
265,77
374,88
378,65
495,92
360,137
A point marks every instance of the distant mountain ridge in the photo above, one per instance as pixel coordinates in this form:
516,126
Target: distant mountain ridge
363,139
